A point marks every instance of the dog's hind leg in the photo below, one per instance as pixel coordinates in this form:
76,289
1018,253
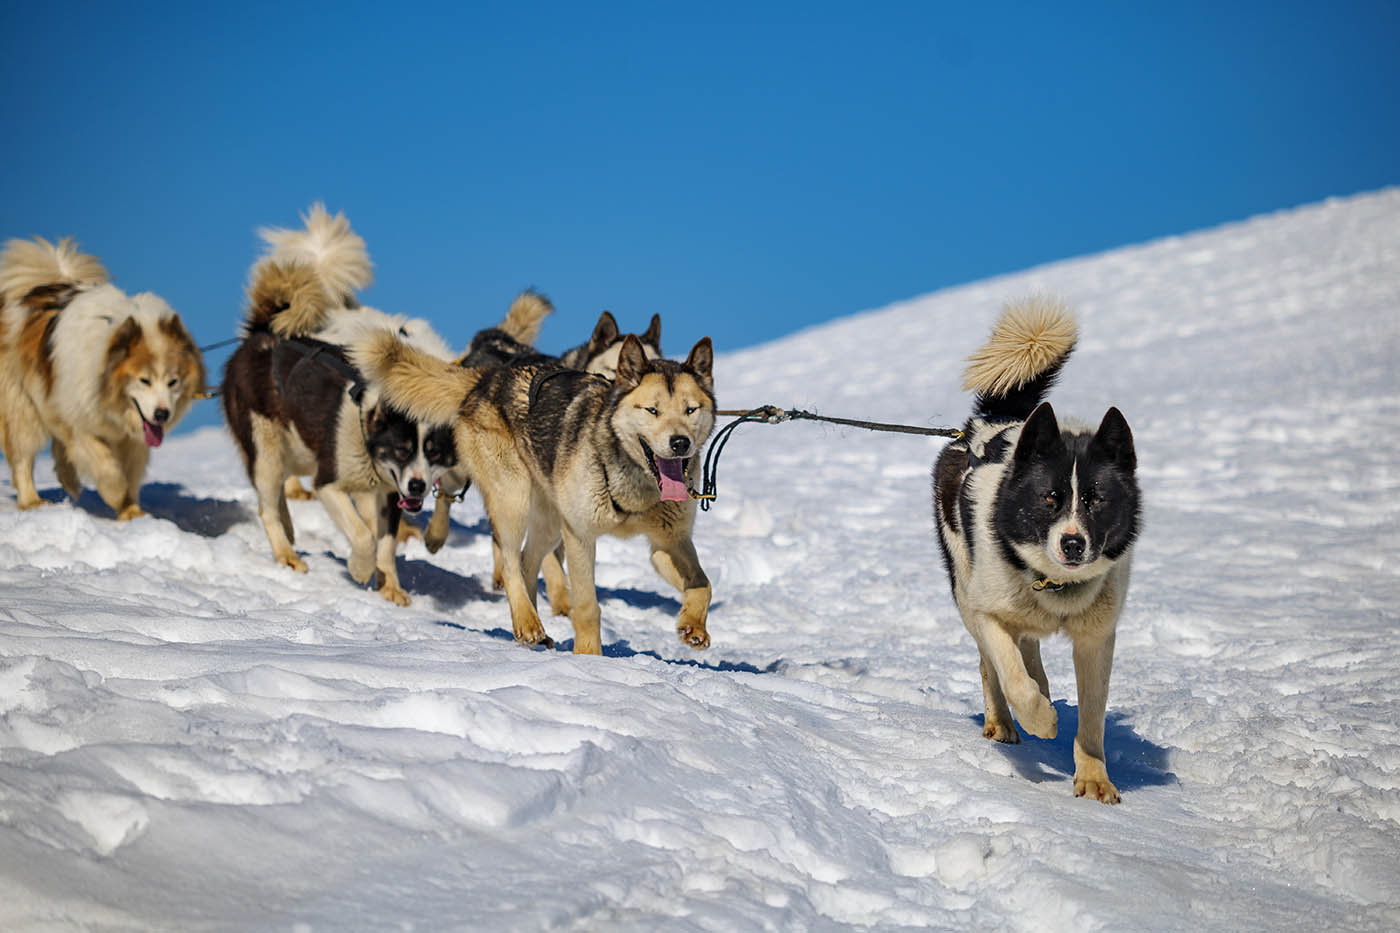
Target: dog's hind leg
507,506
22,434
1093,662
266,472
583,596
675,559
556,582
67,473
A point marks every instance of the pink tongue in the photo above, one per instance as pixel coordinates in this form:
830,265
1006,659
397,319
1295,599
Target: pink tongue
673,487
154,433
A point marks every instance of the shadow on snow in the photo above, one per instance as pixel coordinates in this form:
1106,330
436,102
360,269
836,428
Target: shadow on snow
1133,762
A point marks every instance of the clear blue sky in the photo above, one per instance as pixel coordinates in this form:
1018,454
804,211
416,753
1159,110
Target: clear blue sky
746,170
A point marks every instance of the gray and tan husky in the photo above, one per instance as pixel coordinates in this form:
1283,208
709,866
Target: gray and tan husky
1037,519
560,454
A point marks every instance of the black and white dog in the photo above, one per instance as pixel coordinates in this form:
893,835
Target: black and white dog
1036,520
296,407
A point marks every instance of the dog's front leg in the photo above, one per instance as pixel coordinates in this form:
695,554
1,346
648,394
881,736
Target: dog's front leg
581,552
676,561
1093,662
386,529
1033,709
134,457
362,541
108,472
996,721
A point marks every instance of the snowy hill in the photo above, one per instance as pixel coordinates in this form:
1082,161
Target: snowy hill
193,738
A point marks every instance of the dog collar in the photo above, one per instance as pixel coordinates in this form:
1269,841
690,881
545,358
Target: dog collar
1046,584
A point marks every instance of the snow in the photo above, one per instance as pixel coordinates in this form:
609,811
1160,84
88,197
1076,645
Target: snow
192,737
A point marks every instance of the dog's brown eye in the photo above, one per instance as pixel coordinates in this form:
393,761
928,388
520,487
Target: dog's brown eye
171,383
145,381
1051,498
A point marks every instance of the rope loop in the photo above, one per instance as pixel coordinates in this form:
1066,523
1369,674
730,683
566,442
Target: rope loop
772,414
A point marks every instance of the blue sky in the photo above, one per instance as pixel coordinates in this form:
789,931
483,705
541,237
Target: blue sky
745,170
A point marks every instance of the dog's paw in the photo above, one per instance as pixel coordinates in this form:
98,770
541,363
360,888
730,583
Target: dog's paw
498,580
129,512
693,634
394,594
434,541
361,566
24,505
1038,717
1000,732
293,561
532,634
1096,788
587,645
293,489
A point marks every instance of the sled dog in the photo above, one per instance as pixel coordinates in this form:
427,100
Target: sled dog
1036,521
295,406
101,373
560,454
513,342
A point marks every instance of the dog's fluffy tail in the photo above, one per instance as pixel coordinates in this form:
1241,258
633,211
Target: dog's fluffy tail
525,316
1013,371
418,384
288,298
27,264
328,245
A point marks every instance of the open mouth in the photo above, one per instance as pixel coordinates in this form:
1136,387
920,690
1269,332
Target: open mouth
154,433
410,504
669,473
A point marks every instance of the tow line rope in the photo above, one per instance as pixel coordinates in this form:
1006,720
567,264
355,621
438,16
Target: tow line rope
771,414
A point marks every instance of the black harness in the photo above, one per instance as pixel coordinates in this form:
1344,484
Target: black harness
321,354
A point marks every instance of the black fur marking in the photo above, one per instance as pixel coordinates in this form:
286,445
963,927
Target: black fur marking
553,423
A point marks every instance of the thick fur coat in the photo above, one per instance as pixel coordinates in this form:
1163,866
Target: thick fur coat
100,373
1036,521
562,454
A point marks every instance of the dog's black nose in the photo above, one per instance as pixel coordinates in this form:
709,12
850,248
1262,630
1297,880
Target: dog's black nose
416,487
1072,546
161,415
680,445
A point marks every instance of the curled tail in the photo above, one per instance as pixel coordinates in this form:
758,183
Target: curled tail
1013,371
287,298
418,384
328,245
29,264
527,312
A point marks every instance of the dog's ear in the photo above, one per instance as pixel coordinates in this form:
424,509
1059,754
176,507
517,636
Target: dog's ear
119,347
631,364
702,362
1040,438
1114,441
652,337
604,333
193,366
